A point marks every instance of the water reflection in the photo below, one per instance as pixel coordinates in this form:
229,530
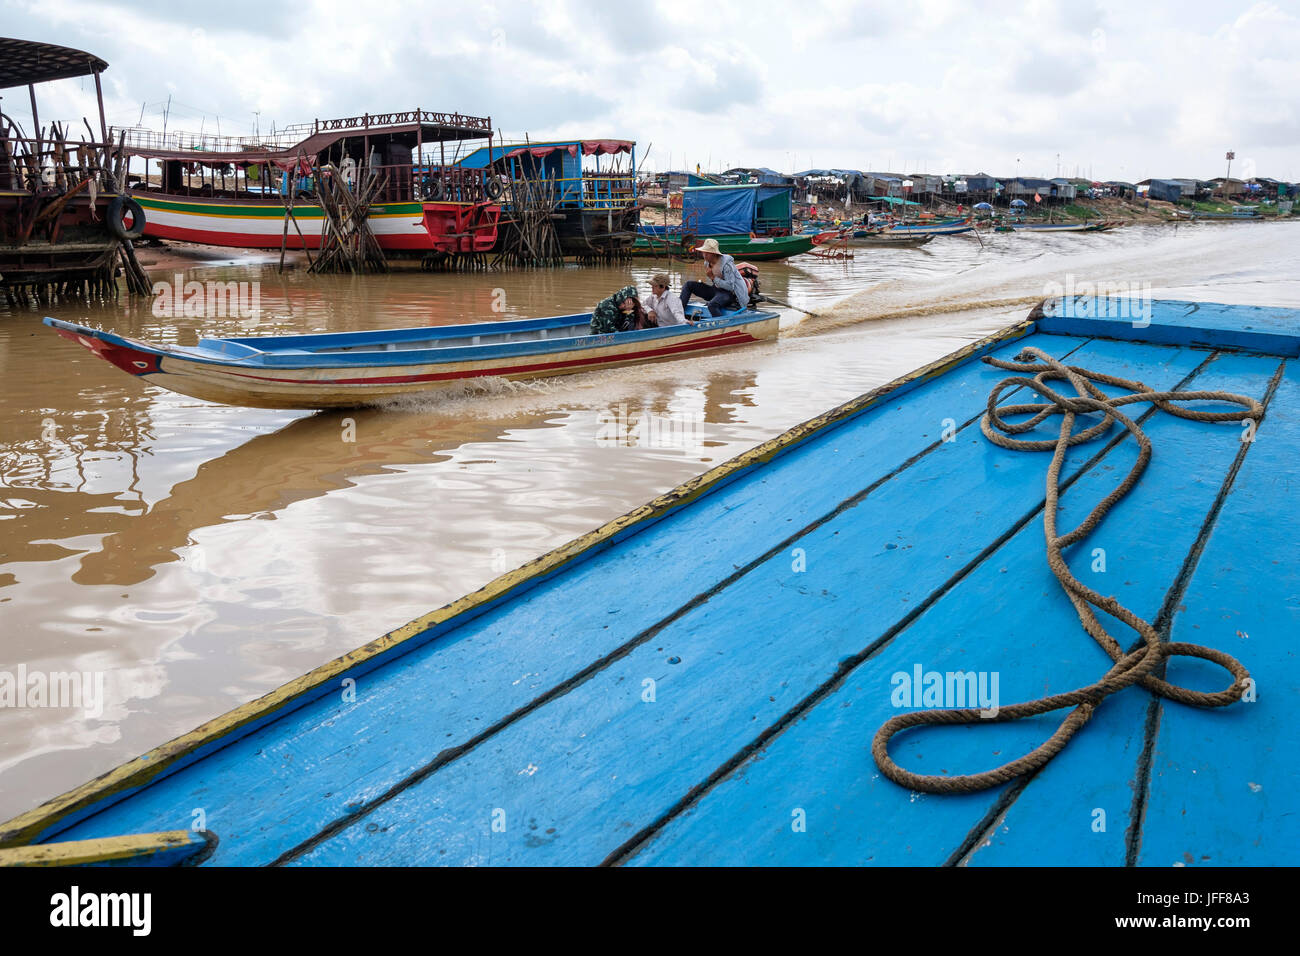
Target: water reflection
201,555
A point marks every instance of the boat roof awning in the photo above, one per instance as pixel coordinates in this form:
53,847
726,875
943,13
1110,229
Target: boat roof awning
590,147
29,61
308,149
893,201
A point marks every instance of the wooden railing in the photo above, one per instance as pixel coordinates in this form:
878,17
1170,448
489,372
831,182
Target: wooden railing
409,117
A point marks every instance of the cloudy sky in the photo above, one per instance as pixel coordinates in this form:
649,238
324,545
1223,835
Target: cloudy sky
1117,89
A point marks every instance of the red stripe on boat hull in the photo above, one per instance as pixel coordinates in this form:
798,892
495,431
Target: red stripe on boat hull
730,338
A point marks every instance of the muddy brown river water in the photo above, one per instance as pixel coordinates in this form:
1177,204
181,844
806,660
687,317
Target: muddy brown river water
198,556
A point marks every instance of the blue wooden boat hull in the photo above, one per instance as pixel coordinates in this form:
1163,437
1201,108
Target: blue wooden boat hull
350,369
724,715
947,228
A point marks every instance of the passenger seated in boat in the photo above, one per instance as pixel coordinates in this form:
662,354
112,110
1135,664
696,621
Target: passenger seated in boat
663,306
634,315
727,290
608,316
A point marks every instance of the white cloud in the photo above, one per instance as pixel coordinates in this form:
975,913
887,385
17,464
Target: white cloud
1156,89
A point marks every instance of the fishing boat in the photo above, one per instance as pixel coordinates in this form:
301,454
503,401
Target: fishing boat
749,221
864,570
1058,227
351,369
883,239
262,193
753,248
946,227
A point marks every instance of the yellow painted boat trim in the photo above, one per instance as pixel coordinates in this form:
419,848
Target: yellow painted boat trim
43,821
105,850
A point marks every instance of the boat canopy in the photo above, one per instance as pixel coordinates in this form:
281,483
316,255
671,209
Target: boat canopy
298,146
590,147
24,62
893,201
486,156
728,210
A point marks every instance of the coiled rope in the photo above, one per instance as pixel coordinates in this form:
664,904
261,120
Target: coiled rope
1135,667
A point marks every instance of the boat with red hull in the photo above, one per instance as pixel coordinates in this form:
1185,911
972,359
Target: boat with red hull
228,192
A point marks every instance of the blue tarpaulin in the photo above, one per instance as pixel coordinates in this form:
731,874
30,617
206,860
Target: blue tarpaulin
731,210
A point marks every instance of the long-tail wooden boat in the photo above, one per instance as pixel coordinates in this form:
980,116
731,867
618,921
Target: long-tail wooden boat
947,227
804,593
350,369
1058,226
760,249
885,239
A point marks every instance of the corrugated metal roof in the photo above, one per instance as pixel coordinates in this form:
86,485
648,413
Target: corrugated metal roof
29,61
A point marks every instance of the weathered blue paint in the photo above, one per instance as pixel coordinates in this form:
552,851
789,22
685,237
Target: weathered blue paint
1226,790
477,676
1271,331
1007,615
416,346
1099,771
776,609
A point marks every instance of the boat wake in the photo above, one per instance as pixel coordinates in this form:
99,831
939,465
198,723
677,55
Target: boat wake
470,392
1141,262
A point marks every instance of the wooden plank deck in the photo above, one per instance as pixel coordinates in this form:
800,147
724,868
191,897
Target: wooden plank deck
701,685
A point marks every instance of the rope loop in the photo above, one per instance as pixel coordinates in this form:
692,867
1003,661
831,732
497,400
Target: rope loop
1133,667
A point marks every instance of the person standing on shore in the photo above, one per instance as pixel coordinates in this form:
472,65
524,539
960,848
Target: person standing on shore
726,290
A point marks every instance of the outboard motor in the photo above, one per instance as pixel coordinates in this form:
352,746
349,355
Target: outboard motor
749,272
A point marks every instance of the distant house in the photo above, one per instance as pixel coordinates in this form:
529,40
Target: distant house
1026,187
844,183
1228,188
1064,190
1168,190
677,179
758,174
1271,188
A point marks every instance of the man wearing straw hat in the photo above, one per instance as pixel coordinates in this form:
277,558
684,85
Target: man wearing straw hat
727,290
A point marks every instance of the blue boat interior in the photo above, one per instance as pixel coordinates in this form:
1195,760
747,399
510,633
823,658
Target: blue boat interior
702,687
428,344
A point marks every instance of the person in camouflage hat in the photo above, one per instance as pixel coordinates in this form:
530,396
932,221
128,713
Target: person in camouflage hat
607,316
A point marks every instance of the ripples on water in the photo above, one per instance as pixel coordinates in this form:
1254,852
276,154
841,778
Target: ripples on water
200,555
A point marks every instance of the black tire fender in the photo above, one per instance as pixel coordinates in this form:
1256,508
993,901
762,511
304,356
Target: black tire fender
117,211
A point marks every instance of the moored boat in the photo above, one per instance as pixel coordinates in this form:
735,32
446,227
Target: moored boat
224,191
781,664
350,369
885,239
1057,227
754,248
750,221
946,227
